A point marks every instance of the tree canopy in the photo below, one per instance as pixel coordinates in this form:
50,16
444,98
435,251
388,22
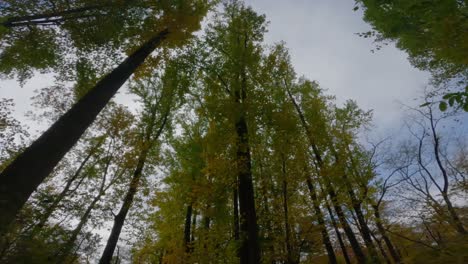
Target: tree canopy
227,154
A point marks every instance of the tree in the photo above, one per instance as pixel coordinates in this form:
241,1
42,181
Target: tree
41,157
158,98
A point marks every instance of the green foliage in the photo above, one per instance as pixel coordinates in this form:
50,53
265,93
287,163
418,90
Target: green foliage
433,33
44,37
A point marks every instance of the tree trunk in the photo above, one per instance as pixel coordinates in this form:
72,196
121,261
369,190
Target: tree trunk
287,228
382,250
23,20
361,258
329,188
365,231
391,248
119,219
344,251
249,246
320,219
236,215
456,222
249,249
356,205
19,180
187,233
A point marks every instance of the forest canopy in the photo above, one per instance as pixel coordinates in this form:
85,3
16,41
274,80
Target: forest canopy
227,154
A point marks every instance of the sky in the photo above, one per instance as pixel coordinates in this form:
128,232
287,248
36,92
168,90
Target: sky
324,47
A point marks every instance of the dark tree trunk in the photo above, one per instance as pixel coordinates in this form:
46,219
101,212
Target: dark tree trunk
457,223
19,180
382,250
455,219
249,245
249,248
320,219
391,248
187,226
40,18
365,231
338,234
119,219
361,258
329,188
364,228
287,228
236,214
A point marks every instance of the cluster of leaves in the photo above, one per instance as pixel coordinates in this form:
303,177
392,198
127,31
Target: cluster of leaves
433,33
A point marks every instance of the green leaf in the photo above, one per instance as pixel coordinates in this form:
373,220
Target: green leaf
425,104
443,106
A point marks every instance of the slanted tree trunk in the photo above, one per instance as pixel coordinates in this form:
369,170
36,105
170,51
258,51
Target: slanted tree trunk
328,186
356,205
38,19
320,219
391,248
345,225
365,231
44,217
344,251
382,250
119,219
68,247
19,180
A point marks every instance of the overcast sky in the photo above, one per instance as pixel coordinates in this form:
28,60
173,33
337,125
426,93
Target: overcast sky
321,37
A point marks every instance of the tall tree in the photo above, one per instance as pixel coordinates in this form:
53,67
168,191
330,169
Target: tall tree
41,157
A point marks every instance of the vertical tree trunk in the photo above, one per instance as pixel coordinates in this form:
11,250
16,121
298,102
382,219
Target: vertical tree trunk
187,226
320,219
249,249
236,214
19,180
249,246
207,218
287,228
